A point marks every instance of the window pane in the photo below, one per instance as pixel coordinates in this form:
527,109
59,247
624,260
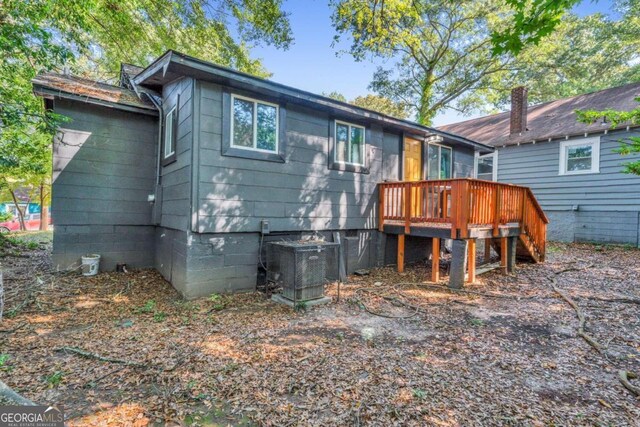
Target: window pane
342,136
445,163
579,164
486,176
357,145
434,164
267,127
242,123
168,135
485,166
579,152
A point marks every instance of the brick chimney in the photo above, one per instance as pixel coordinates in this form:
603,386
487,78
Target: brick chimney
518,110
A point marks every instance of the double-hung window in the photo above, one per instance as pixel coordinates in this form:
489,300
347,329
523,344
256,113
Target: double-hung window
439,160
487,166
580,156
349,143
254,124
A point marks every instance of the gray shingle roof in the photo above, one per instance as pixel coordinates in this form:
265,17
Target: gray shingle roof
555,119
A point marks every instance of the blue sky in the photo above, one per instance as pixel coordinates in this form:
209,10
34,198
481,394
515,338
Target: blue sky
313,64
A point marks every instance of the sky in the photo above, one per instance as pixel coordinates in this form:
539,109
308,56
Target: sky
314,64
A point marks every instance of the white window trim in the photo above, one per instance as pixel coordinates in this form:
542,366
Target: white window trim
495,164
595,155
168,134
440,147
255,124
335,142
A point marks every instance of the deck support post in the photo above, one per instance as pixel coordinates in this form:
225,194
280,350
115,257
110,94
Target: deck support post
435,259
487,251
471,262
400,253
512,245
458,264
503,255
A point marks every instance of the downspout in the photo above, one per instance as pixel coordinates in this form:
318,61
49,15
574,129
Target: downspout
159,156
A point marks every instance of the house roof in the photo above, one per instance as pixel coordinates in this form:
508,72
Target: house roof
173,65
550,120
51,85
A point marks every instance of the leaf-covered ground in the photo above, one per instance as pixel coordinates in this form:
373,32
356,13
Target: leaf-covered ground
428,357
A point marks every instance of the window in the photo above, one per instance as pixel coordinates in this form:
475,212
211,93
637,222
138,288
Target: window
170,124
439,159
254,125
349,144
487,167
580,156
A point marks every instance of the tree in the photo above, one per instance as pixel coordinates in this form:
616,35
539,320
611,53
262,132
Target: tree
92,38
531,22
442,47
629,145
382,105
374,102
582,55
444,54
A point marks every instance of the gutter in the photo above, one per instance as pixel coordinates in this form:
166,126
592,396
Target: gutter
162,64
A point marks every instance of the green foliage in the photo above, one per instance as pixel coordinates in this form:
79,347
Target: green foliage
629,145
468,55
219,301
92,38
532,20
5,216
55,379
383,105
419,394
582,55
159,316
4,358
335,95
148,307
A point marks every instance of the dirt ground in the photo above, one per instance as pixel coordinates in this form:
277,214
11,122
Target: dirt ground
390,352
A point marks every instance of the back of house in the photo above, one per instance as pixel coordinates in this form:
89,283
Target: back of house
573,168
192,168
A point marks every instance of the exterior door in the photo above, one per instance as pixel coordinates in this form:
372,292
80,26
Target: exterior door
413,169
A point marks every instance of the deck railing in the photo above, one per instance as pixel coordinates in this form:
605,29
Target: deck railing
464,203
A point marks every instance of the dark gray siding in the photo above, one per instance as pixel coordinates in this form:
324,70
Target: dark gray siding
607,203
234,194
176,177
103,171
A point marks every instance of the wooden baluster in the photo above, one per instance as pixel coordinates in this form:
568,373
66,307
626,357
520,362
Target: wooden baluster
465,208
381,190
407,208
497,200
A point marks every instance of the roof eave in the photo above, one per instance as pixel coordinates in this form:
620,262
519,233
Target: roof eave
162,66
49,93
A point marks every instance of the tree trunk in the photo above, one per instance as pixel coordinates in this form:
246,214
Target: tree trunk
44,211
23,227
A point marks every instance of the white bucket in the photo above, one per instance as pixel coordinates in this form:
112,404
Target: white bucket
90,264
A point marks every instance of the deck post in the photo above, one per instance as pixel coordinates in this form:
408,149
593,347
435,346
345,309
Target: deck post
487,251
407,207
512,246
503,255
497,200
435,259
458,264
471,263
400,253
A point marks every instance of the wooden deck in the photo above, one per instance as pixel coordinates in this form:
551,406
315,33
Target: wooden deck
464,209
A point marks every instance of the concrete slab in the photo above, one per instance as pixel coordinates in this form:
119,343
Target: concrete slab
309,303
